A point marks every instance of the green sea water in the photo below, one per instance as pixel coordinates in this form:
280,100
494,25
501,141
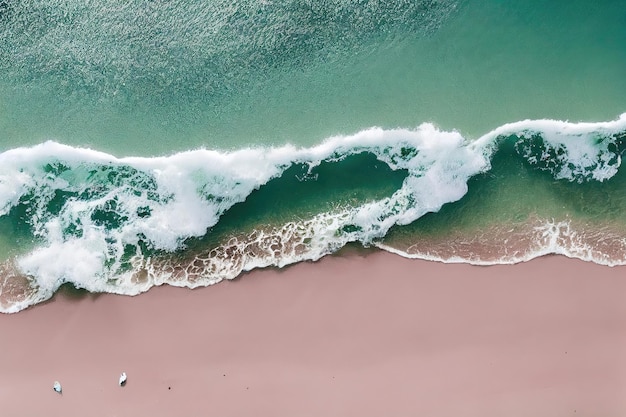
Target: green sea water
251,120
484,63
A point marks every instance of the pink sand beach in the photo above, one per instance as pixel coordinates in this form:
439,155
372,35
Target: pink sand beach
377,335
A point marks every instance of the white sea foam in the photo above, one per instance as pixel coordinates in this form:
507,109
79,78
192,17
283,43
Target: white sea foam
113,204
585,146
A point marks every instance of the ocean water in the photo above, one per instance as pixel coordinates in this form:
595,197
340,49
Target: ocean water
182,142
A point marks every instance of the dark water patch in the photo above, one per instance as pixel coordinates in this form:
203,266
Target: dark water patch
70,292
355,249
594,201
580,196
18,222
5,9
563,160
108,215
512,192
300,193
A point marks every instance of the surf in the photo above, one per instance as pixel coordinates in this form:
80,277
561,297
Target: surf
123,225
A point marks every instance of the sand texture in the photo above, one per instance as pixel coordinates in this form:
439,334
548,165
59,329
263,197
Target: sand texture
347,336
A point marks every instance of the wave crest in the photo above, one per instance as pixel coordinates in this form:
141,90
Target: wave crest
127,222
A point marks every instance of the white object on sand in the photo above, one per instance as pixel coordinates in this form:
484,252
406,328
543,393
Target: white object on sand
122,379
57,387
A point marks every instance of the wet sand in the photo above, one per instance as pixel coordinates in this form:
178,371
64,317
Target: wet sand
347,336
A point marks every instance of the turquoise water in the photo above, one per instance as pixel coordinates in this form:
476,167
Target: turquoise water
114,81
183,142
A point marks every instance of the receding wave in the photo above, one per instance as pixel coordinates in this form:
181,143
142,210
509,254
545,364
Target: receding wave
123,225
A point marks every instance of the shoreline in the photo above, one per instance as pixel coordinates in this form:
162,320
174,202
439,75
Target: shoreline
366,335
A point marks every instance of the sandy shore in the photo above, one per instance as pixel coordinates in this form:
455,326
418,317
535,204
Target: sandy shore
353,336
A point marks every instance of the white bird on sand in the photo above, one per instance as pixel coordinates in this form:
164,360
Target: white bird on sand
57,387
123,379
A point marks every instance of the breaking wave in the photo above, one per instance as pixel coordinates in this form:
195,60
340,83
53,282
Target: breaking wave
123,225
